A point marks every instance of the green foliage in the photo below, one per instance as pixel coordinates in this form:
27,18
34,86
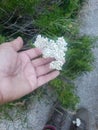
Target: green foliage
22,7
79,57
2,39
66,92
71,7
47,21
54,23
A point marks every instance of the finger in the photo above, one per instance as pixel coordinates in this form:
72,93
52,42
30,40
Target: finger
42,70
41,61
46,78
17,44
33,53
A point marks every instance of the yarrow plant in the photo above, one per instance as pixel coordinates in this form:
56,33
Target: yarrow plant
54,49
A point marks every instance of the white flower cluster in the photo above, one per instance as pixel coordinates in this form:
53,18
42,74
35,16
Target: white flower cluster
54,49
77,122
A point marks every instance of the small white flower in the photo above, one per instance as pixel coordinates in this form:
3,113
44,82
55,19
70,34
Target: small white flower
55,49
56,65
77,122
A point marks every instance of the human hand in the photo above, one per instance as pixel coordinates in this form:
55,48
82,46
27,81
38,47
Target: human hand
22,72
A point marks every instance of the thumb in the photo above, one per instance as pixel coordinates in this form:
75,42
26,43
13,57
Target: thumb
17,44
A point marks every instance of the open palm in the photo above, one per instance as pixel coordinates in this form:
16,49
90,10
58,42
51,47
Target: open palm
22,72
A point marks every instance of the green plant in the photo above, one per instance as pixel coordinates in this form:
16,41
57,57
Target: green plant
71,7
54,23
79,57
2,39
66,92
23,7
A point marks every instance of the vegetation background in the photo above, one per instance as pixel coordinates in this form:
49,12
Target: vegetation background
51,18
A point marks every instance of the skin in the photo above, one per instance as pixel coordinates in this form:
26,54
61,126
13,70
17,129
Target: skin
22,72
